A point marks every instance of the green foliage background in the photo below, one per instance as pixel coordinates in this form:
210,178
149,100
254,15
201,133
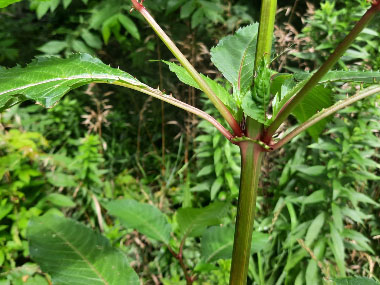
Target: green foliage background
318,209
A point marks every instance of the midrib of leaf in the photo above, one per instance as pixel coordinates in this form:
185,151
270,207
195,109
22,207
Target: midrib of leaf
241,67
219,250
67,242
75,77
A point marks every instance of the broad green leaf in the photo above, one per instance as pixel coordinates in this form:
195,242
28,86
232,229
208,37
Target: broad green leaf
316,100
285,87
46,80
337,247
218,89
315,229
61,180
129,25
5,3
53,47
217,243
73,254
193,221
315,170
102,12
234,56
91,39
255,103
145,218
60,200
315,197
355,281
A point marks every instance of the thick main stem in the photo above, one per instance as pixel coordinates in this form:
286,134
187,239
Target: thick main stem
251,157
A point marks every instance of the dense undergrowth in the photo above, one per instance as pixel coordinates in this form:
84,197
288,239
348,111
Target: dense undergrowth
318,210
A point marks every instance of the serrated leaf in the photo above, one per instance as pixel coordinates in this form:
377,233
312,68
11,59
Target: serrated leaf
256,102
218,89
217,243
73,254
5,3
47,79
145,218
193,221
234,56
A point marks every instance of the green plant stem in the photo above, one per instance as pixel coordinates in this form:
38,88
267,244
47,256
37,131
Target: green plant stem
327,112
330,62
251,157
190,69
265,37
171,100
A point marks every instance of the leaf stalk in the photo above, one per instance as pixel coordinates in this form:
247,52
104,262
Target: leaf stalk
190,69
327,112
314,80
175,102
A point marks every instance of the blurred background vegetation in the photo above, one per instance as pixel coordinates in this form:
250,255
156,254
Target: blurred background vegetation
317,198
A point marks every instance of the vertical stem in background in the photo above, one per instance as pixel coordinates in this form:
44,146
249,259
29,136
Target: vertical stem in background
251,157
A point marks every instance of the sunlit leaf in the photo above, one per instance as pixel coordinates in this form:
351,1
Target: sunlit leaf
46,80
5,3
234,56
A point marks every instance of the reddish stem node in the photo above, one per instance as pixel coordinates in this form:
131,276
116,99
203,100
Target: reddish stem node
138,6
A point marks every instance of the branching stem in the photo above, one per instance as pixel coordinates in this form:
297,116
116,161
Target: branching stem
171,100
327,112
330,62
190,69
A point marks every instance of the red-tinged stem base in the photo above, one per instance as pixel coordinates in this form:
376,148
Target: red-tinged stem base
251,154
